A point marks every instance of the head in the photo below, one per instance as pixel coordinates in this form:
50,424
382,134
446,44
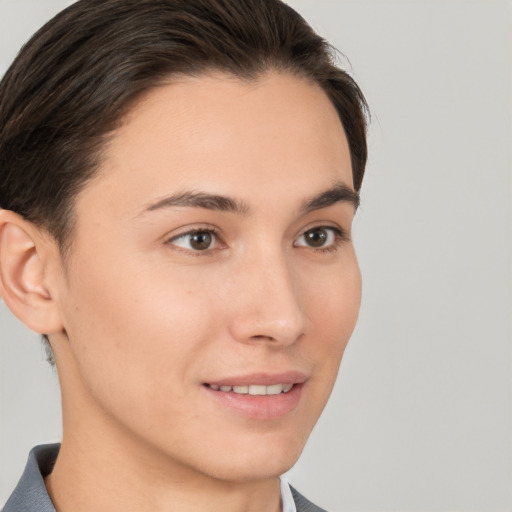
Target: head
135,135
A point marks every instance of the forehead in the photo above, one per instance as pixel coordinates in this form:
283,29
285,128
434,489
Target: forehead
226,135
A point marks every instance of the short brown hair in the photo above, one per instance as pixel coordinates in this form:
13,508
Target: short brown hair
74,80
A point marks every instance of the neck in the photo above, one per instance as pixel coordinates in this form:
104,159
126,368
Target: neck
87,476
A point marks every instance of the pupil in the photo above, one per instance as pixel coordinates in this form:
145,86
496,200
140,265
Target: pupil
316,238
201,241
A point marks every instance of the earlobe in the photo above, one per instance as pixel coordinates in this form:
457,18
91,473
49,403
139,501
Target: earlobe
23,274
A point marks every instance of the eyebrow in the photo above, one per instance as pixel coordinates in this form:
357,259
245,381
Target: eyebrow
201,200
338,193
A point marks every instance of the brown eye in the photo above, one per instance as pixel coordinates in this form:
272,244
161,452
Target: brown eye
198,240
316,237
201,240
322,237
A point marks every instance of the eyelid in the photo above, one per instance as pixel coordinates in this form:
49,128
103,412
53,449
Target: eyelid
341,231
215,232
340,236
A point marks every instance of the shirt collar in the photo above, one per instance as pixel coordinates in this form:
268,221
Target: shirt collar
30,493
287,501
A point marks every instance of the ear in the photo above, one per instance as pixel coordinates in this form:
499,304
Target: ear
25,284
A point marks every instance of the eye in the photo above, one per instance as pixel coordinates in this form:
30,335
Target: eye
321,237
196,240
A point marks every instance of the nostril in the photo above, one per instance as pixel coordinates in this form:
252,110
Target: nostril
262,337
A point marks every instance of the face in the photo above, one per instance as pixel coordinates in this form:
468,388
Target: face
212,284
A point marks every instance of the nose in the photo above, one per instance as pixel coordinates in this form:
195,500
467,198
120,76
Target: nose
266,302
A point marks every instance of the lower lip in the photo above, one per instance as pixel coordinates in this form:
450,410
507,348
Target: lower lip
259,407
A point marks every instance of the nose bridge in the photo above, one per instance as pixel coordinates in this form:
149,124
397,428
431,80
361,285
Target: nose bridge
268,304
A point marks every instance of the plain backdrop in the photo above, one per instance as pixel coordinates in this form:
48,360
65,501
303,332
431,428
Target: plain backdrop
421,416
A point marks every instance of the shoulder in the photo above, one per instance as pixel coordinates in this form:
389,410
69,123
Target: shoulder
303,504
30,494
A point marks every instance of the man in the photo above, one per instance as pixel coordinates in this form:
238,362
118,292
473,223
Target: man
178,181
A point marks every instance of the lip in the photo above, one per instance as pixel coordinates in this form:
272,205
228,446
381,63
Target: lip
259,407
262,379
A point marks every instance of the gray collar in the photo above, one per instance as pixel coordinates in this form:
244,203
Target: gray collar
30,494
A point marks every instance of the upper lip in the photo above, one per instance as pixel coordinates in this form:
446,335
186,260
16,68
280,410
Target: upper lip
262,379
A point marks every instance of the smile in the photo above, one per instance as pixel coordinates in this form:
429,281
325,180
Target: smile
253,389
258,401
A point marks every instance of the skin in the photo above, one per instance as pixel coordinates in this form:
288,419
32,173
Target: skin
141,320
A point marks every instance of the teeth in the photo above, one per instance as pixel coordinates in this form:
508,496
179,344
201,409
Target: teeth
275,389
254,389
257,390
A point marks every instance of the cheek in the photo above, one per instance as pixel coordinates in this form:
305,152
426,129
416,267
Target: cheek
333,298
135,337
333,308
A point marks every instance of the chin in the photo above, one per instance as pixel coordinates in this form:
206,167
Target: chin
251,469
265,458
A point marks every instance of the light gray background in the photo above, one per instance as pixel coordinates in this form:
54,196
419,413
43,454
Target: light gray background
420,419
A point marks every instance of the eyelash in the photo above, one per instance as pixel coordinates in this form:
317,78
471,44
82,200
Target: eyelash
340,236
207,252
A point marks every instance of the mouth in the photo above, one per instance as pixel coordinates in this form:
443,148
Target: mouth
253,389
259,396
